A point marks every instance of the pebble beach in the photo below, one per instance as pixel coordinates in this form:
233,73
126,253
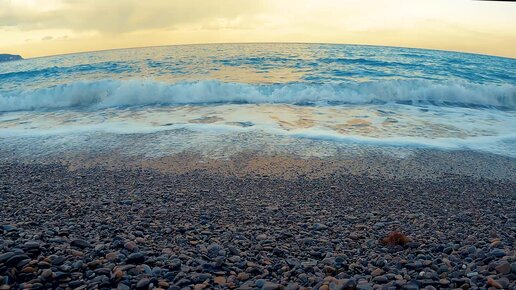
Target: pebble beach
258,166
146,225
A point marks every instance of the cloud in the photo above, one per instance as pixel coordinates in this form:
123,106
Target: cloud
48,37
123,16
474,26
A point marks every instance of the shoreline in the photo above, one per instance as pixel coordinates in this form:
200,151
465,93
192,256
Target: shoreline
375,162
185,222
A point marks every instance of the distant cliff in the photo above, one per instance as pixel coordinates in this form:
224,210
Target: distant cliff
9,57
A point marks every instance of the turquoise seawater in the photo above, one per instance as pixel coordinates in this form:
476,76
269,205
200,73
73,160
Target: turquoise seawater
342,93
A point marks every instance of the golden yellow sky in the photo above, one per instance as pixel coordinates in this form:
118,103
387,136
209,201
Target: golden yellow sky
46,27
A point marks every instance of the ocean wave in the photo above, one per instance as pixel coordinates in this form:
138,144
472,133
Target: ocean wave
125,93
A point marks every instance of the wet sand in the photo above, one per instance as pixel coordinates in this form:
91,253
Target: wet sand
258,222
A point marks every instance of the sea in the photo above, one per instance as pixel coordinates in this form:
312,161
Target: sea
221,99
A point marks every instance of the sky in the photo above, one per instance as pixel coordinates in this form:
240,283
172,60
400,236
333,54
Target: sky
35,28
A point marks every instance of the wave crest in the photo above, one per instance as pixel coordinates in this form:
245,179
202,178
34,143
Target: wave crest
122,93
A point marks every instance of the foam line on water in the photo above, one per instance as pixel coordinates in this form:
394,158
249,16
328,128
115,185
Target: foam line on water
502,144
127,93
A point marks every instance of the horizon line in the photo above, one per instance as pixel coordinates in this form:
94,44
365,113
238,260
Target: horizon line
266,42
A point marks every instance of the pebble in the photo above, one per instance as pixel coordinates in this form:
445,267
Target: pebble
493,283
28,270
135,258
31,245
117,274
377,272
261,237
243,276
503,268
82,244
472,274
498,253
15,259
112,256
122,286
5,256
270,286
219,280
143,283
410,286
242,234
319,227
47,273
131,246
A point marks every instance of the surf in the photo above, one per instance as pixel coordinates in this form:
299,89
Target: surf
107,93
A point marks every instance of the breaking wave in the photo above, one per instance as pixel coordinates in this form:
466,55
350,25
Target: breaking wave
107,93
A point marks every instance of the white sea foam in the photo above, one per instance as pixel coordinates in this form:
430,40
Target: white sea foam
500,144
125,93
488,130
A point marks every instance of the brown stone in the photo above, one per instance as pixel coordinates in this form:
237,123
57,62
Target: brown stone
444,282
47,273
163,284
112,256
76,253
493,283
28,270
220,280
243,276
503,268
377,272
167,251
117,274
131,246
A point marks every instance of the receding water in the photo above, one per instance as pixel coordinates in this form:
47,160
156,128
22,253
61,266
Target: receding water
333,93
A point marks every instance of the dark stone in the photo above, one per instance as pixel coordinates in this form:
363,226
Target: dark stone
213,250
22,263
31,245
75,283
381,279
5,256
364,287
497,253
410,286
135,258
143,283
82,244
103,271
175,264
58,260
350,284
15,259
122,286
270,286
